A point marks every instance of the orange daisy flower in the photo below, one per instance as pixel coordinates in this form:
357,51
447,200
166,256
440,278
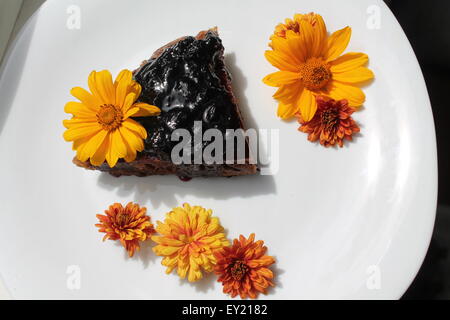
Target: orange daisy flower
331,124
243,268
129,225
311,64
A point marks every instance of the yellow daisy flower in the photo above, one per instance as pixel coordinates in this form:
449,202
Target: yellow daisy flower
311,64
101,127
189,238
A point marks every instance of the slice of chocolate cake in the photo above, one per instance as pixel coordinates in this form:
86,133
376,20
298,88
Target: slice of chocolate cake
187,79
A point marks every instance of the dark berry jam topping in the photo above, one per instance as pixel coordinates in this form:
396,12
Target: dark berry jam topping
188,83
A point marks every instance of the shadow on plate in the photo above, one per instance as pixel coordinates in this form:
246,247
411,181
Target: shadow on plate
277,271
145,253
239,84
204,285
165,190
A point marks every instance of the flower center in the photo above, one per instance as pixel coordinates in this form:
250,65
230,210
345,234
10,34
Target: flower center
315,73
109,116
238,270
123,219
330,118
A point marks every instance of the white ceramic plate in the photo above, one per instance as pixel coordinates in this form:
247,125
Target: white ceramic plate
348,223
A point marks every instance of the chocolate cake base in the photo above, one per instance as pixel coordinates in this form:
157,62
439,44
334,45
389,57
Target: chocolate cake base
148,166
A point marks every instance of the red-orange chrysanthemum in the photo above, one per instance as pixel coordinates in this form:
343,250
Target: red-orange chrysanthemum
243,268
331,124
128,224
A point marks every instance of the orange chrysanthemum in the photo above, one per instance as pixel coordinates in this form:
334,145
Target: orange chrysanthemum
311,64
189,238
294,24
129,225
331,124
243,268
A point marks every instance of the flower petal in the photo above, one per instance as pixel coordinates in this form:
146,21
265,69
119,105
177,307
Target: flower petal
79,142
338,91
131,111
307,36
358,75
101,85
280,78
135,88
131,152
79,132
124,75
349,61
117,144
134,141
111,156
337,43
287,92
136,127
320,36
286,111
80,146
99,156
94,143
145,110
80,154
89,100
287,47
79,122
280,61
129,100
307,104
122,84
79,110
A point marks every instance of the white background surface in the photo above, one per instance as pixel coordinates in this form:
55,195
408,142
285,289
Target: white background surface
13,15
328,215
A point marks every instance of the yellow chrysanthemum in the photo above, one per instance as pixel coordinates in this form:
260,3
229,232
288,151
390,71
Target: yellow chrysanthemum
189,238
101,127
311,64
